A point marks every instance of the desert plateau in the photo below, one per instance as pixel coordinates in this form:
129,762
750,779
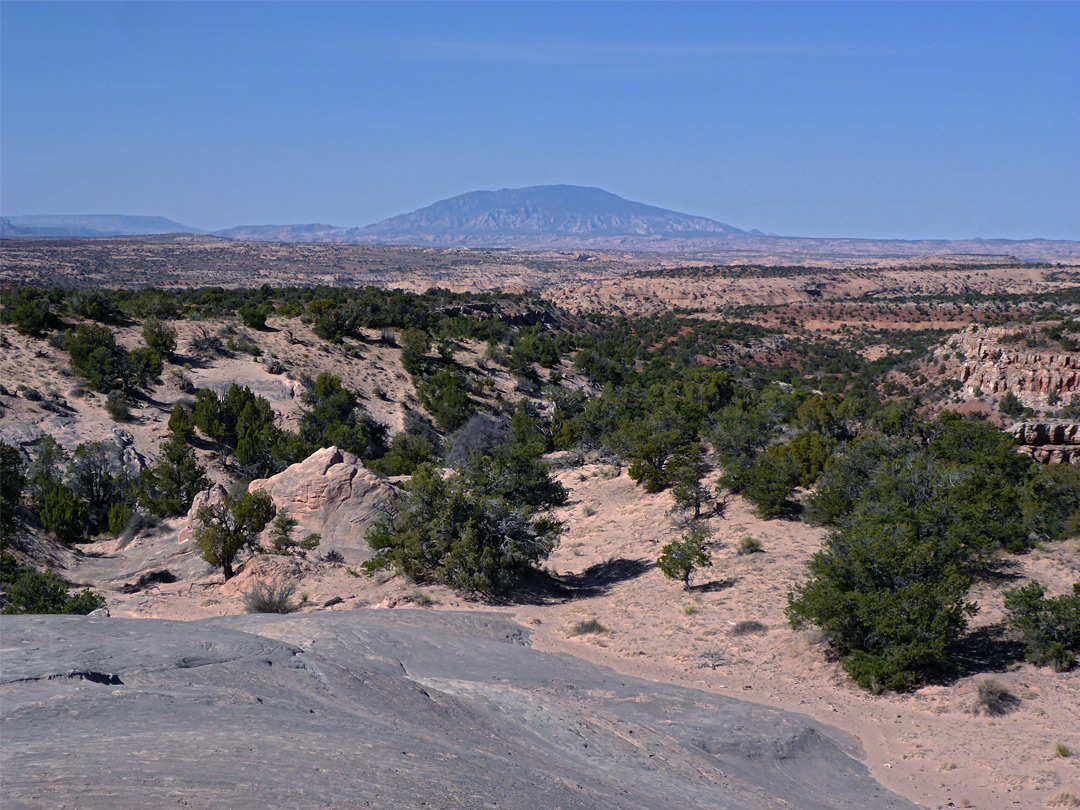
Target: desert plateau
539,406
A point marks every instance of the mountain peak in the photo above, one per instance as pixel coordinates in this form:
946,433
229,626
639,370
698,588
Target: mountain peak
556,210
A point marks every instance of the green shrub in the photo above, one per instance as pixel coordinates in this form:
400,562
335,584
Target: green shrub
444,531
1010,405
282,541
63,515
1052,505
117,408
679,559
96,356
169,486
889,585
334,418
160,337
120,515
446,397
254,317
407,452
768,483
1050,627
29,591
12,482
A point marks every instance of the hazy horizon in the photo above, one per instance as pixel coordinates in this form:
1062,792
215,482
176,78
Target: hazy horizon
927,121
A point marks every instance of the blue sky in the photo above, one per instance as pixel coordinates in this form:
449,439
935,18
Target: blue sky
943,120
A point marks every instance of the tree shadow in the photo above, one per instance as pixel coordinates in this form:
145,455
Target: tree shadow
543,587
713,586
987,649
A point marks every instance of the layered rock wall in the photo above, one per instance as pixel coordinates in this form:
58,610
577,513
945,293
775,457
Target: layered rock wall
986,366
1049,443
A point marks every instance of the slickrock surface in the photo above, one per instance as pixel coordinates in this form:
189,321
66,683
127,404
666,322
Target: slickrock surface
399,709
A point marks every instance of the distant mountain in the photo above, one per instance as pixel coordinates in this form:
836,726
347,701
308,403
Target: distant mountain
287,233
90,225
541,211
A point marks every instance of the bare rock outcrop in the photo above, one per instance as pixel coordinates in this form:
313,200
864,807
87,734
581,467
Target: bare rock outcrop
332,493
1049,443
389,709
208,497
986,364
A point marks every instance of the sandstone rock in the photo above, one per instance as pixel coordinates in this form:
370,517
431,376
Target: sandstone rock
208,497
994,367
388,709
1049,443
332,493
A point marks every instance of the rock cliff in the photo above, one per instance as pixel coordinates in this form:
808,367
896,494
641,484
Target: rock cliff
1049,443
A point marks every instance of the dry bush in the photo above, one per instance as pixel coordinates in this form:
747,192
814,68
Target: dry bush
748,627
995,698
271,597
586,627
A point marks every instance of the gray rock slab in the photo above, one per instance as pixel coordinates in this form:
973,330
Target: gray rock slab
382,709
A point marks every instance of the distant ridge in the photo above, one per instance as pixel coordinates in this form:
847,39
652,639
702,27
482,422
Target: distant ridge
90,225
556,217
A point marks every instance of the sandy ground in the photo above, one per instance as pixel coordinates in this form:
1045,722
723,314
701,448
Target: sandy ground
930,746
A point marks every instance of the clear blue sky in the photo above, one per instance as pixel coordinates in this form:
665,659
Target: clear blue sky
876,119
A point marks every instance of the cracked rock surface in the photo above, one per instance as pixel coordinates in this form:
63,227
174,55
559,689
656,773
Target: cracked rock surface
382,709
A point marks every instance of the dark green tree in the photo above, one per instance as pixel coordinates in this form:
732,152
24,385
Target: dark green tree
441,531
446,397
12,482
334,418
63,514
415,344
29,591
680,558
407,452
169,486
159,336
1050,627
282,540
231,527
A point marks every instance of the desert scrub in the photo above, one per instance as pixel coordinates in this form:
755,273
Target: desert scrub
691,610
421,599
1062,750
1064,799
588,510
587,627
749,545
994,698
271,597
748,627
